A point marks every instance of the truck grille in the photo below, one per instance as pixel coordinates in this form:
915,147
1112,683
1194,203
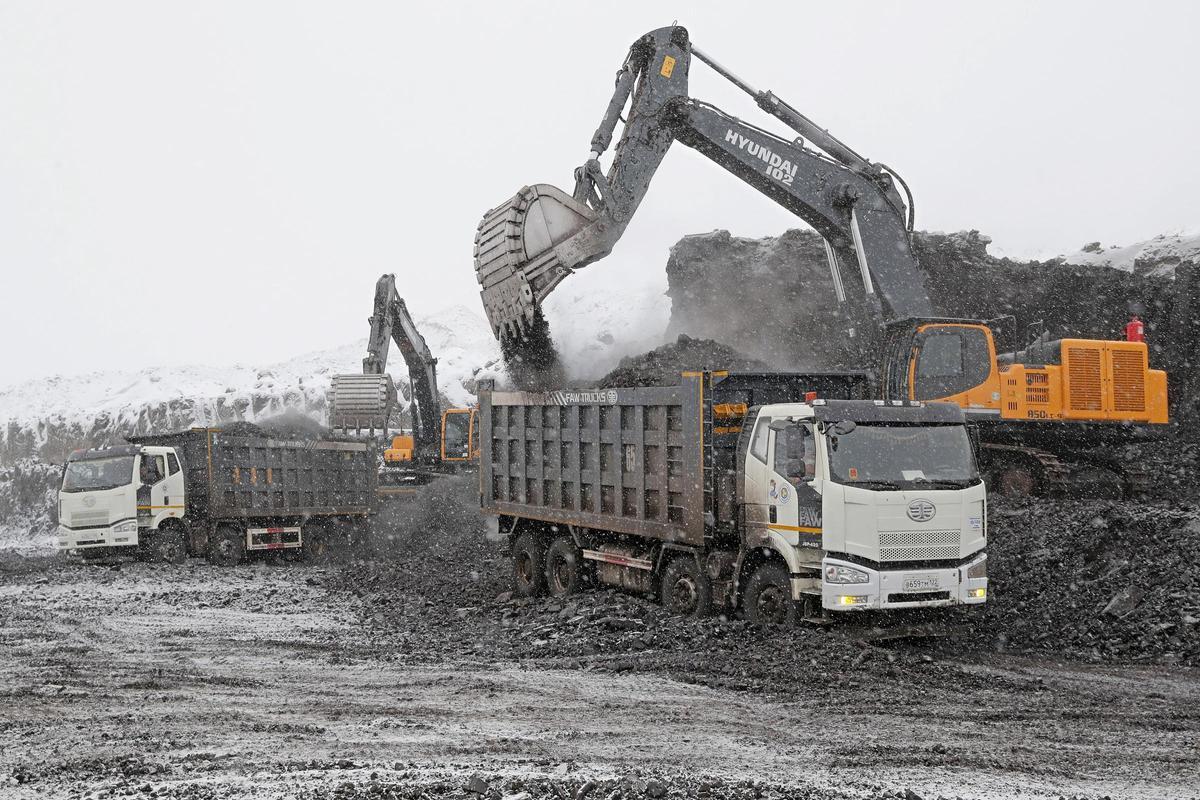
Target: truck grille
924,545
84,519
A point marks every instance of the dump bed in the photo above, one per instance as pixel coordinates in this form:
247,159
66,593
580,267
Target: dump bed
245,474
625,460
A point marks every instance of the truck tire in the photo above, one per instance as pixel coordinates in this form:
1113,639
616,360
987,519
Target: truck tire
768,598
686,589
564,568
316,542
360,544
227,546
529,566
169,546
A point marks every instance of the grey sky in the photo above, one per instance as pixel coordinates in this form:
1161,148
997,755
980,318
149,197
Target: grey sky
219,182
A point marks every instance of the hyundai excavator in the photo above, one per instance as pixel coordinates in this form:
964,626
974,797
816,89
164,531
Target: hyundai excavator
1040,413
440,441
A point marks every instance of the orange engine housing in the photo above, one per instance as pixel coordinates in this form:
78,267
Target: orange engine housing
1096,380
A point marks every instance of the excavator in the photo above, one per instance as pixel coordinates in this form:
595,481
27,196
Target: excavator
440,441
1041,413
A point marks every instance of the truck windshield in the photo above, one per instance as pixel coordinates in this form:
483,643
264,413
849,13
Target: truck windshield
96,474
902,456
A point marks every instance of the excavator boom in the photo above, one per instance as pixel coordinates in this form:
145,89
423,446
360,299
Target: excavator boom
525,247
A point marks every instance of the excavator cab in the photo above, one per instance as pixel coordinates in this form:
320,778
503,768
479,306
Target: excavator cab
941,359
459,442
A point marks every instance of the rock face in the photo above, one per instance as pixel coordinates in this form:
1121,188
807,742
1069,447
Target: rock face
773,299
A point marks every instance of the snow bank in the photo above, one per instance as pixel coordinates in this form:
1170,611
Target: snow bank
1153,258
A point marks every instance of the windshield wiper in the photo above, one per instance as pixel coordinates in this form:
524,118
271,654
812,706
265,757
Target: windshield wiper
872,484
944,482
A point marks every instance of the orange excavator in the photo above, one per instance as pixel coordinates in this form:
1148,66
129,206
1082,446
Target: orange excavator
439,441
1043,414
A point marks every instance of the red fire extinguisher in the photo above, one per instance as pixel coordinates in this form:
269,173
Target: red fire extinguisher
1135,331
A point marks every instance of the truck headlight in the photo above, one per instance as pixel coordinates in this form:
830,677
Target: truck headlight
835,573
978,569
126,527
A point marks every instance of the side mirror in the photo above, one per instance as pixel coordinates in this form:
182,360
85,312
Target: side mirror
842,427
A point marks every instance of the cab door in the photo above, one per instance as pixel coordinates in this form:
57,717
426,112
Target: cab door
755,500
790,484
174,488
152,480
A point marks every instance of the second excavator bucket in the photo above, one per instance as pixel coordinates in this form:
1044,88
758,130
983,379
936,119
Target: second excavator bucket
519,257
361,403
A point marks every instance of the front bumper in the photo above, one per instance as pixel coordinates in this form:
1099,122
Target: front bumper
906,588
119,535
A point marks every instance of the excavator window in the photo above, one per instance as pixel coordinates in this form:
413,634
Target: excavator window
456,436
950,360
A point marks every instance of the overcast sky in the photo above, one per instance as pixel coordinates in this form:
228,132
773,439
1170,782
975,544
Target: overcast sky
223,182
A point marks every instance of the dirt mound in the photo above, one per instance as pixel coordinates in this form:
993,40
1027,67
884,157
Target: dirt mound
1111,582
661,367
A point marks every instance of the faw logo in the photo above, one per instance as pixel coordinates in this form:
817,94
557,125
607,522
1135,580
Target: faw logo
777,166
921,510
578,398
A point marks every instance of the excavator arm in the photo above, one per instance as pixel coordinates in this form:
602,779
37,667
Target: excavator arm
367,398
527,246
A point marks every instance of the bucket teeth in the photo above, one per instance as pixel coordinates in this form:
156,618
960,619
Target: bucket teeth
517,257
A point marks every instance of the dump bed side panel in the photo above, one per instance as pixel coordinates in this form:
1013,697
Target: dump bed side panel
230,475
624,460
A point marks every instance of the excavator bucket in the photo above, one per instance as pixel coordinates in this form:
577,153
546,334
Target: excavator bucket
361,402
518,258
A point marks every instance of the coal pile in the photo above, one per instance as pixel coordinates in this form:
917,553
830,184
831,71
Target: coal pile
661,367
638,785
1102,582
772,298
438,589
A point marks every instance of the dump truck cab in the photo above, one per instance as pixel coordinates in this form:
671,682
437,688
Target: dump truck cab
116,496
872,505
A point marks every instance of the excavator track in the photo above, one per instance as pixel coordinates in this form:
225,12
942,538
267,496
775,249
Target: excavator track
1048,475
1057,474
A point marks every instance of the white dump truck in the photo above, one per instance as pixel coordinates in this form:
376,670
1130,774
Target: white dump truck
220,493
751,491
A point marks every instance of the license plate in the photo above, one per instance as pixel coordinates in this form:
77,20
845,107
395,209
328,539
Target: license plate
921,582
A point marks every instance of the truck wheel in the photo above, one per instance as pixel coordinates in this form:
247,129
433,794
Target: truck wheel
360,538
169,546
564,572
529,573
686,589
768,598
227,547
315,542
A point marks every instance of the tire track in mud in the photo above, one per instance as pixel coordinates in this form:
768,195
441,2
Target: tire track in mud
260,680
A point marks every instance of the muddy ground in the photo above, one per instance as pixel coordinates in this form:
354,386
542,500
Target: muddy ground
413,674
